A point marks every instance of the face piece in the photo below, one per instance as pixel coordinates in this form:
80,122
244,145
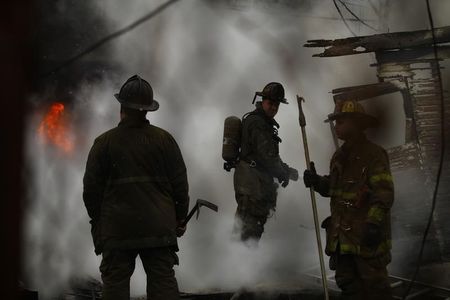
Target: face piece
346,128
270,107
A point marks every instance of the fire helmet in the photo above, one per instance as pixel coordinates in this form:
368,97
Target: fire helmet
137,93
352,109
273,91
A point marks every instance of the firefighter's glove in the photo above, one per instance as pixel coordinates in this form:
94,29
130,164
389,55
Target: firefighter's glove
326,223
371,235
293,174
310,177
284,181
180,228
284,178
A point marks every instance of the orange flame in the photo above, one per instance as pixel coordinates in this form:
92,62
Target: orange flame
53,128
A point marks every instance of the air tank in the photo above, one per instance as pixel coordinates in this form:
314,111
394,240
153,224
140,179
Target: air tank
231,139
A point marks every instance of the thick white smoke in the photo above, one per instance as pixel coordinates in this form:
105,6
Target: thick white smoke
205,62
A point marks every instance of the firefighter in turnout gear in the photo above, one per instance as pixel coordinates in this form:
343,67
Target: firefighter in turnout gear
259,163
362,192
136,194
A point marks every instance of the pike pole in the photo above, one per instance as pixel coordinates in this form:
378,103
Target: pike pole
302,121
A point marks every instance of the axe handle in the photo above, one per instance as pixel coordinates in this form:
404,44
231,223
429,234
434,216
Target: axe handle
302,121
189,216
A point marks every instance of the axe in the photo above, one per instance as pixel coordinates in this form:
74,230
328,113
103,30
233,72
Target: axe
196,208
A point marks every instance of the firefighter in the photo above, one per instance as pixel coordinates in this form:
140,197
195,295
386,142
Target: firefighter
136,194
362,192
259,163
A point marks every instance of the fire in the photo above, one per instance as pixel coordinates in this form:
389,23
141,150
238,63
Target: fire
54,129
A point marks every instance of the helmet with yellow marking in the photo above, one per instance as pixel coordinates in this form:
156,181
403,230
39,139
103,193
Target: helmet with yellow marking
352,109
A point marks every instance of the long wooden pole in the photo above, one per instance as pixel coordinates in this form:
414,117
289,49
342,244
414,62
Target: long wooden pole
302,121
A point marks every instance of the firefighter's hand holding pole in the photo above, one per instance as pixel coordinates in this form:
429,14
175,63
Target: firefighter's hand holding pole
302,122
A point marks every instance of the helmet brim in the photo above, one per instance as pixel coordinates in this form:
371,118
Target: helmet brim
262,95
152,107
366,120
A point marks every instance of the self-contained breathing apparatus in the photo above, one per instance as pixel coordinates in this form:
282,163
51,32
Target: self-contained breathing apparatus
233,126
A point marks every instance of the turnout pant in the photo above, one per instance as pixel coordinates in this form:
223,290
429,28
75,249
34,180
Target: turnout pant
251,217
256,196
362,278
117,266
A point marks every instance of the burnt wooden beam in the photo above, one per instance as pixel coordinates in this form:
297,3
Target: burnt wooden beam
362,92
379,42
385,85
412,55
395,70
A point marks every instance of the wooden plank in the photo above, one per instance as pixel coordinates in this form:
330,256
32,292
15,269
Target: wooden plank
419,293
395,74
379,42
396,284
412,55
394,67
436,288
386,85
362,92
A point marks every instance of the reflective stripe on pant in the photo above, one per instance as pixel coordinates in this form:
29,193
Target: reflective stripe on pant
118,265
362,278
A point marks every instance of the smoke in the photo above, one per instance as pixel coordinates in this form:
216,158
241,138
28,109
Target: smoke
57,243
204,62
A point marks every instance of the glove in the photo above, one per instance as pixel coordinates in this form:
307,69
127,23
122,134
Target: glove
326,223
180,229
293,174
284,181
310,177
371,235
284,178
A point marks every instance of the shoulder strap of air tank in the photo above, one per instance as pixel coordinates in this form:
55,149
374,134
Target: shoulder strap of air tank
251,113
246,115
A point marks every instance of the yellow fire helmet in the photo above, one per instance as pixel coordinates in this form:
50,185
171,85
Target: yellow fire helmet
352,109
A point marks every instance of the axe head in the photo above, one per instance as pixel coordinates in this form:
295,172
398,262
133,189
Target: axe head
201,202
208,204
301,115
